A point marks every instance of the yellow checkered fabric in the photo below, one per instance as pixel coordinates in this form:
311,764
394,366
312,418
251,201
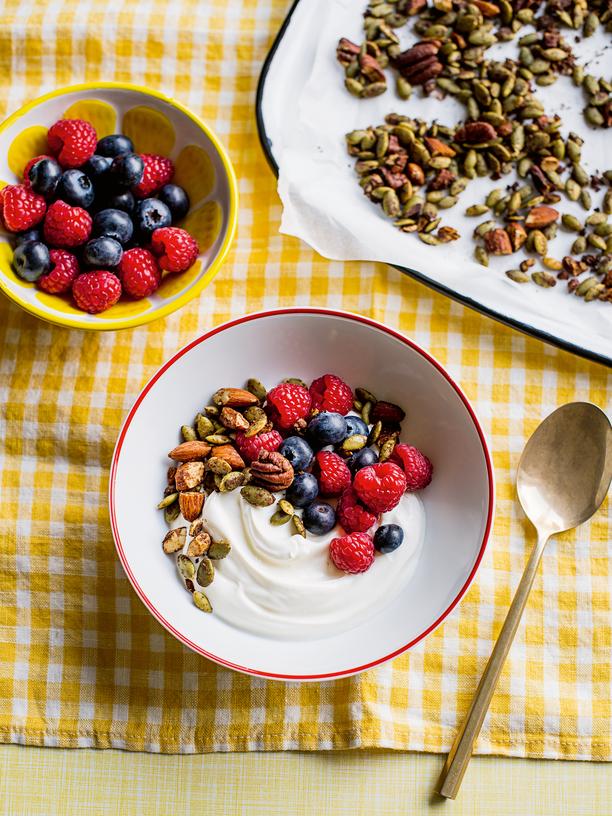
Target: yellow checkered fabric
82,662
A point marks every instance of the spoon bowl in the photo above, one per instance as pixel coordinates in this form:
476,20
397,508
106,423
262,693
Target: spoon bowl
566,467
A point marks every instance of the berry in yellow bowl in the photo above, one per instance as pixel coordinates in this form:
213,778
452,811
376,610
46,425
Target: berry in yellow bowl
117,206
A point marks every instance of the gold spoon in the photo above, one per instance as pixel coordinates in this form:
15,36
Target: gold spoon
563,477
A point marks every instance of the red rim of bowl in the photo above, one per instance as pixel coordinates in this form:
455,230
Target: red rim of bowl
245,669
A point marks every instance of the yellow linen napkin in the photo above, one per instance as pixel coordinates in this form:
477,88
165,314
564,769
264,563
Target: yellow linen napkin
81,661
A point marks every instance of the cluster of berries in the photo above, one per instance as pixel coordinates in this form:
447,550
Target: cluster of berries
311,428
95,218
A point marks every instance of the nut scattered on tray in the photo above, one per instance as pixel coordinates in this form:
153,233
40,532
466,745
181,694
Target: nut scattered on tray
416,169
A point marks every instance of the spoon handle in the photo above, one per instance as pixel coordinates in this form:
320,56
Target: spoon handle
461,751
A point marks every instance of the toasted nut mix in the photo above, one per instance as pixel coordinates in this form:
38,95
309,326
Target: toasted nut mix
199,545
174,540
231,419
191,504
189,475
230,455
234,398
188,451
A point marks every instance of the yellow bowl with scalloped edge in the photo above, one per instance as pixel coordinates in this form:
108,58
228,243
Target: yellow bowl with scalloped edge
156,124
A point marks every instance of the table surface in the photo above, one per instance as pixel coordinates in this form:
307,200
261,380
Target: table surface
55,781
59,781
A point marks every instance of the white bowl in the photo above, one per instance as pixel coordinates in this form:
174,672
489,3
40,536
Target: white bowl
307,343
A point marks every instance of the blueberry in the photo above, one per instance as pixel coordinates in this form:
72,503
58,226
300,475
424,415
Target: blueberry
176,199
102,253
114,145
319,517
44,176
29,235
31,260
327,428
75,188
303,490
121,201
96,167
297,451
150,214
356,425
126,170
360,459
114,224
388,537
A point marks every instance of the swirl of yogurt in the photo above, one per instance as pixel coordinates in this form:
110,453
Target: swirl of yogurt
277,583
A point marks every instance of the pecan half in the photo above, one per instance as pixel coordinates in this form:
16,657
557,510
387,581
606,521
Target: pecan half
346,51
420,63
371,69
497,242
443,179
272,470
473,132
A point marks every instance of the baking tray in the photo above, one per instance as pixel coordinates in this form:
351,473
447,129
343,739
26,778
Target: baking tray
283,75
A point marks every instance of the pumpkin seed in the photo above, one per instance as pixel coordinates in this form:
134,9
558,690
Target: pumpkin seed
257,496
186,567
202,602
206,572
204,426
231,481
257,388
298,525
219,549
167,501
188,433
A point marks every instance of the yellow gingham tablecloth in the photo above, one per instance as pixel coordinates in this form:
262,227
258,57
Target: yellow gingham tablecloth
81,661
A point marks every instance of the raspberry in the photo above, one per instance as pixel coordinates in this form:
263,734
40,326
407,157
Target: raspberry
176,248
139,272
416,466
352,515
64,271
29,166
332,472
72,141
21,208
380,486
330,393
287,403
158,170
352,553
66,226
249,446
96,291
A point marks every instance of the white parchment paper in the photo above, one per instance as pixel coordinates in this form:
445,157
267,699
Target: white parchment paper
324,206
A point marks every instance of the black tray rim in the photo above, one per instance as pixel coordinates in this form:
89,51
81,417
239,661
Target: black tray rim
266,146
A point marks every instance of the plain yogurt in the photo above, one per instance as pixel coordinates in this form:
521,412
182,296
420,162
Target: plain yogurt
277,583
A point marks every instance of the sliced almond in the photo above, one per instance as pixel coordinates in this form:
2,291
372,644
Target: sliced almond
174,540
199,546
230,455
188,451
191,504
189,475
234,398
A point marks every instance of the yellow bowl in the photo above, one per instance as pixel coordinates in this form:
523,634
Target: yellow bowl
156,124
